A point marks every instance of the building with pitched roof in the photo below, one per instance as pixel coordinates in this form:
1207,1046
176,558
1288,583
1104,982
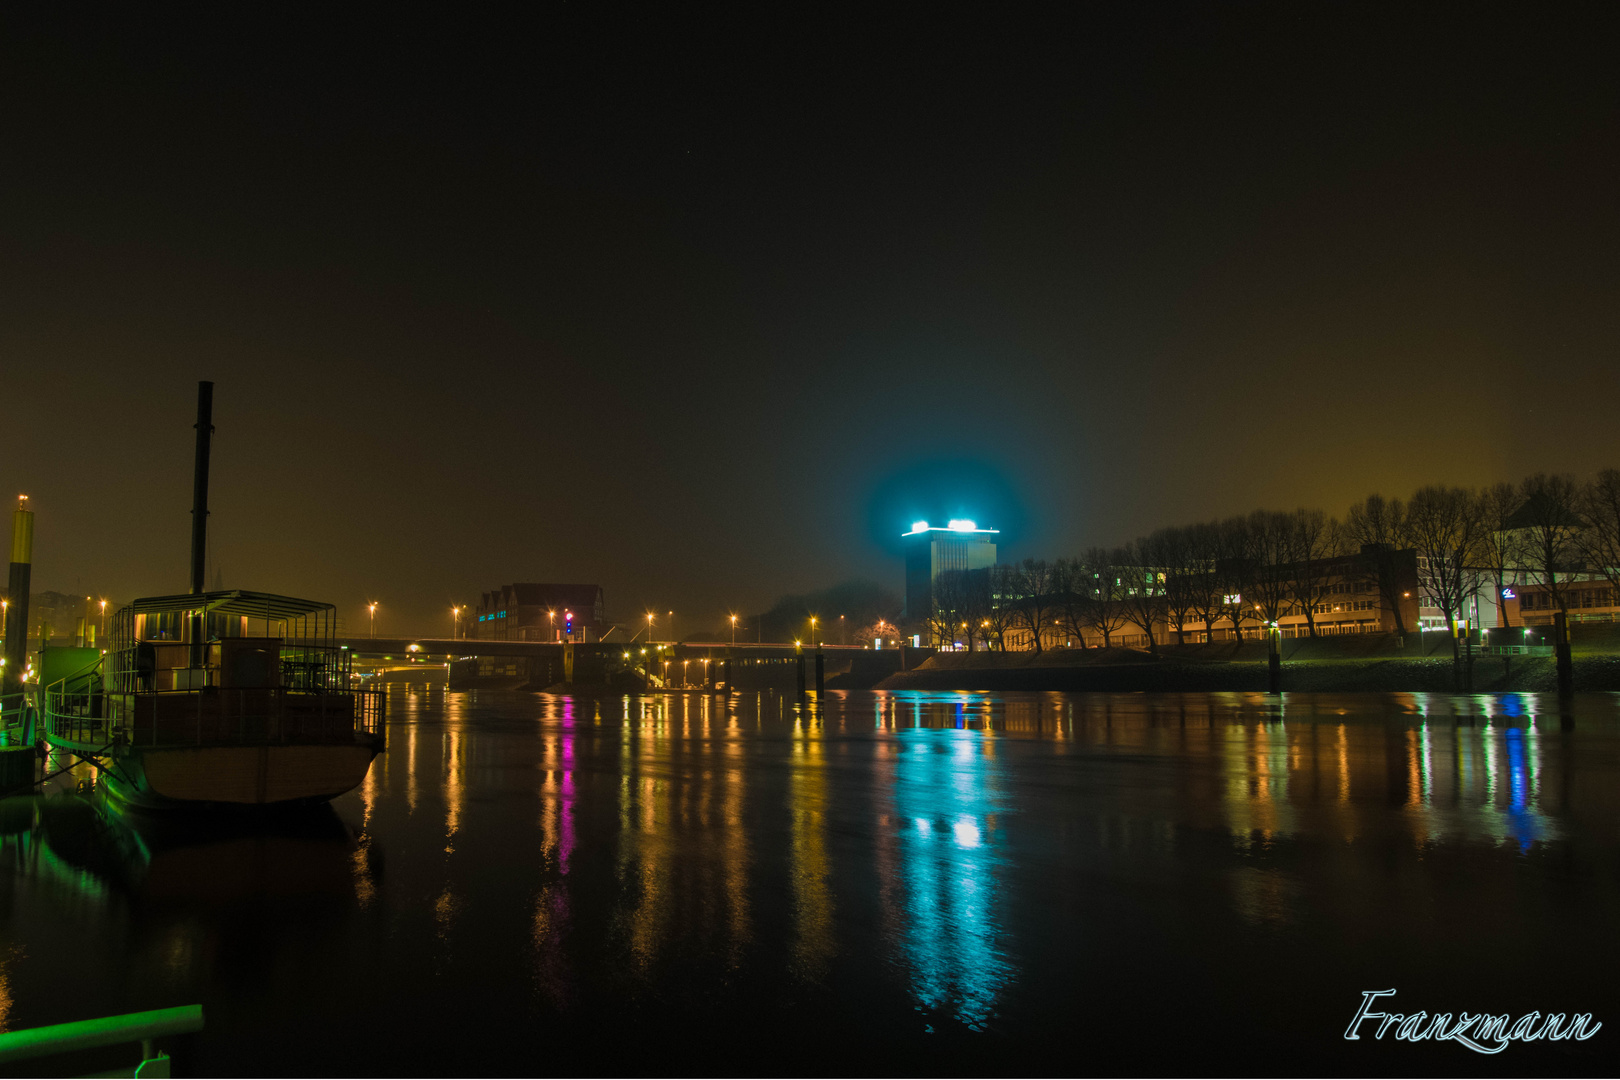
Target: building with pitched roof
531,611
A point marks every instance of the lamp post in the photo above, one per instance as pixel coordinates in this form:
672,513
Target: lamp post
843,638
103,630
649,626
734,631
672,636
551,617
372,608
812,628
455,621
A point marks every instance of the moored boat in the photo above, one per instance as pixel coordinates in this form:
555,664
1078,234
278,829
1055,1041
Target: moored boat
239,719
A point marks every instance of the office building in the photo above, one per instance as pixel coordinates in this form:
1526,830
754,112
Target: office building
930,550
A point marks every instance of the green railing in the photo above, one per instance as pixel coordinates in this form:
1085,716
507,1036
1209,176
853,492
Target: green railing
141,1027
215,716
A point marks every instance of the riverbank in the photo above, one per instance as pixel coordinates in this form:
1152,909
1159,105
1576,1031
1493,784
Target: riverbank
1374,663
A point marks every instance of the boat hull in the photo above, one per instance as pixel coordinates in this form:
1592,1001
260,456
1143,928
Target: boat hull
243,776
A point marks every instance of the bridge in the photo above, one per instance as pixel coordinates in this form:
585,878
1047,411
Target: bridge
468,663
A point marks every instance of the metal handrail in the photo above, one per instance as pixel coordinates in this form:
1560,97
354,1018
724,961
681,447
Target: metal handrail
106,1031
214,715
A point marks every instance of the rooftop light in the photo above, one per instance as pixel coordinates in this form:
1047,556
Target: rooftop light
962,525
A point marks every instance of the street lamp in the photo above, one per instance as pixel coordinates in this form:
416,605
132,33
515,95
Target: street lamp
649,626
455,621
373,609
812,628
843,639
104,621
734,631
672,626
551,617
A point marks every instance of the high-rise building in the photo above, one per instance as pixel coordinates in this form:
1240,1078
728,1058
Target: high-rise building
933,549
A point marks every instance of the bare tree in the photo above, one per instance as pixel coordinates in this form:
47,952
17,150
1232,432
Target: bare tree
1600,540
1103,612
1181,570
1549,526
1001,611
1448,529
1271,588
1204,581
1312,539
1036,597
1500,553
1378,527
1143,598
1073,597
960,598
1235,570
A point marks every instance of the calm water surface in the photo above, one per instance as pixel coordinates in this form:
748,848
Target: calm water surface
912,883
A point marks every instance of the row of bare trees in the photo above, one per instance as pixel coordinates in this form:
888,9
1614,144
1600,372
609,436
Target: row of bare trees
1250,571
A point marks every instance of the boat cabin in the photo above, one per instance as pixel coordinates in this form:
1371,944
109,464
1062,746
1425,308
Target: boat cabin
247,640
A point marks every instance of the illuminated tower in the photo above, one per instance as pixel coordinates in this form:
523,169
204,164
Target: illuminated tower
933,549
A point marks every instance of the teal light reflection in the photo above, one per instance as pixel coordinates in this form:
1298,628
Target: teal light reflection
946,797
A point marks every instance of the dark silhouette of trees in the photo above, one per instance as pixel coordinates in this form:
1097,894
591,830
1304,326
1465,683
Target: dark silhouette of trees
1235,568
1500,543
1600,540
1001,613
1271,586
1142,596
1378,527
1204,582
960,600
1549,526
1102,604
1447,526
1037,597
1174,551
1312,539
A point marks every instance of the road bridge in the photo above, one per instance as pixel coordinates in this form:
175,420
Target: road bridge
474,662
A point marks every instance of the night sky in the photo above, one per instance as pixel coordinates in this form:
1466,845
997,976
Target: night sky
709,307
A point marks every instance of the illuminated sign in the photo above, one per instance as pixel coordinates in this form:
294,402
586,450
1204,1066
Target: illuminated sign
1509,594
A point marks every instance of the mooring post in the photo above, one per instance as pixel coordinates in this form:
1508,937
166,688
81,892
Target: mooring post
1274,659
1566,666
22,568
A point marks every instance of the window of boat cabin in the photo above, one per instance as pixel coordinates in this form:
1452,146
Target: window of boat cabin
171,626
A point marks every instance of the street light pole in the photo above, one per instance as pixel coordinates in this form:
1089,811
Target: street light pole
734,631
373,609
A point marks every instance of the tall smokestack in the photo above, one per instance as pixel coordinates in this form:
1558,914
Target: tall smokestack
199,512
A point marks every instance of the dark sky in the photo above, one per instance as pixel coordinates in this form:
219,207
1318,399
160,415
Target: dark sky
708,307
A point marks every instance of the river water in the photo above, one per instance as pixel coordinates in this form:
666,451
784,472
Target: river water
905,883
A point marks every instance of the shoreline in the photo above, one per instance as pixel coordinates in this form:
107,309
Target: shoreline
1432,674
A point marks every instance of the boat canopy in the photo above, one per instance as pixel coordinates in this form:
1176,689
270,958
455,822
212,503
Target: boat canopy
254,605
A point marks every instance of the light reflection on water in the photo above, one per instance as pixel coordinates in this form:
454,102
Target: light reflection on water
595,850
946,796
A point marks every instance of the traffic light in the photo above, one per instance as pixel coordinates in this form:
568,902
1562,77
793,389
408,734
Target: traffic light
568,623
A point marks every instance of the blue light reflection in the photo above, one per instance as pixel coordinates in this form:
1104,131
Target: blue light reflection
947,796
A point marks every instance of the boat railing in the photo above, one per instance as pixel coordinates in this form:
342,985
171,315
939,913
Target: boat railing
214,716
